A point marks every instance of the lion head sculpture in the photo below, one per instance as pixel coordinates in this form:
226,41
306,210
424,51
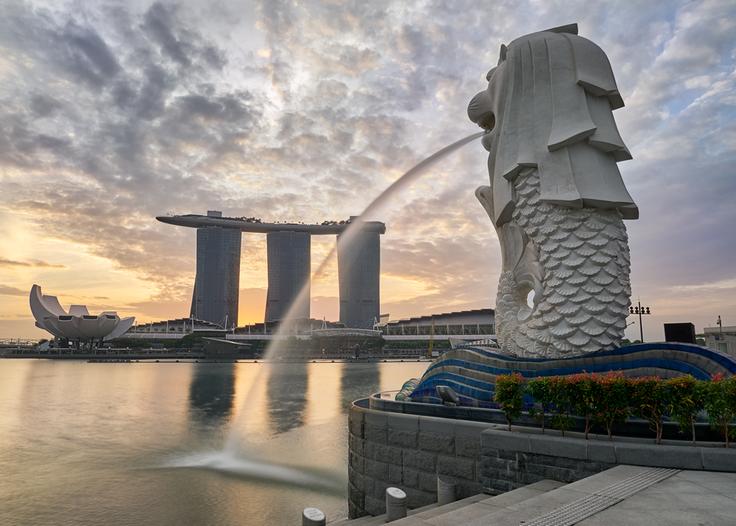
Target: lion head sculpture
556,197
549,105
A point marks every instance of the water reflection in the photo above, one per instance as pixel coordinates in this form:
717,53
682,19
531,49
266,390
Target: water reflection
128,418
211,393
357,381
286,391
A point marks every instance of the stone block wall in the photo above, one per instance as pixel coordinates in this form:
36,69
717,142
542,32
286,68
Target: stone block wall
409,451
510,461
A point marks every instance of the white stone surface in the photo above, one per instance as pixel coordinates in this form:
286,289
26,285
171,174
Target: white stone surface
395,504
313,517
445,491
78,323
556,197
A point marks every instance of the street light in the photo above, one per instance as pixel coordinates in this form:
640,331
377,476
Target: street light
640,311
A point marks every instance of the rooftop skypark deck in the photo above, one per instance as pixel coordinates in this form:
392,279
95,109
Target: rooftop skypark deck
258,226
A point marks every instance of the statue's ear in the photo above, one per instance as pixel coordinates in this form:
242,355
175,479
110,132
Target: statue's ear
484,194
502,53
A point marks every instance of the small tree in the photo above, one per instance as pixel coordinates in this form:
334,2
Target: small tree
649,400
510,395
684,401
720,403
539,390
560,402
582,395
611,400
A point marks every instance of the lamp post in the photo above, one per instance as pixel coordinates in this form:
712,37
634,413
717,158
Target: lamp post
640,311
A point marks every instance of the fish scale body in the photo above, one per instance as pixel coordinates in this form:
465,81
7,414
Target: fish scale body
584,258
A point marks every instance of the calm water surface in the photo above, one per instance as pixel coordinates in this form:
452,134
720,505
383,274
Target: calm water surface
84,443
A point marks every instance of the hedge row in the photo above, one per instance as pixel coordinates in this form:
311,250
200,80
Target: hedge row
606,399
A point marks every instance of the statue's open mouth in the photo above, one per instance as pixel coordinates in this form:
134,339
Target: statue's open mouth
487,121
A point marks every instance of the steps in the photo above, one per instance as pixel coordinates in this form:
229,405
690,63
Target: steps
545,503
481,503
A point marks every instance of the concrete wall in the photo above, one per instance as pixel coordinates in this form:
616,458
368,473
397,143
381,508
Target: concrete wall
409,451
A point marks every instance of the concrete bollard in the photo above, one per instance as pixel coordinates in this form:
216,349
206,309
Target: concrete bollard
445,491
395,504
313,517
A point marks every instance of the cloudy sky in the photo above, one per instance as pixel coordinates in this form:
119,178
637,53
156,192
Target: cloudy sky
114,112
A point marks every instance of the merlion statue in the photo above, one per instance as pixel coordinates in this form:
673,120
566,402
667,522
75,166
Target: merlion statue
556,197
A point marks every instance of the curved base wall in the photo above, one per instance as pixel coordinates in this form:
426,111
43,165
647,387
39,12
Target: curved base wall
410,451
471,370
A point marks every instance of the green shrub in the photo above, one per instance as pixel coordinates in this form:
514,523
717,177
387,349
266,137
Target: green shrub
685,399
649,399
581,390
611,395
609,399
539,390
510,395
720,403
560,402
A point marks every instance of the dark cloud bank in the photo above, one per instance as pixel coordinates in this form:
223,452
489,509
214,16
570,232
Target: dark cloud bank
111,116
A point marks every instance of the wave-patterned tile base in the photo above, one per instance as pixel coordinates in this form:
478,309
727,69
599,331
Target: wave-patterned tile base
471,370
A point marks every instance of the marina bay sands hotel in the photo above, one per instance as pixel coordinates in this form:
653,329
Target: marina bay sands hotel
216,285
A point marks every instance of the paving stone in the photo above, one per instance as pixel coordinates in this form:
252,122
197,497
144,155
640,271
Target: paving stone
435,442
504,440
401,422
395,473
558,446
376,419
467,445
417,498
456,467
407,439
355,423
410,477
374,506
376,469
420,460
717,459
682,457
442,426
466,488
384,453
357,462
356,479
601,451
355,444
428,482
375,434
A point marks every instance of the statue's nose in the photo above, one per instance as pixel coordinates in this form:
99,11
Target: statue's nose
480,110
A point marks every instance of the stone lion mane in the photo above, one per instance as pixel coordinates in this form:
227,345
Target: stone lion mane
551,97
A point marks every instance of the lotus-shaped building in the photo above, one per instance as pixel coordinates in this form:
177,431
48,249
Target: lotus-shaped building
77,324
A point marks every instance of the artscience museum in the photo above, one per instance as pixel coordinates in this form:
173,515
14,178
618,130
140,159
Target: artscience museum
77,324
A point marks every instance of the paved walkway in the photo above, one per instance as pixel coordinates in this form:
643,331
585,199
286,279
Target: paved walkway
622,495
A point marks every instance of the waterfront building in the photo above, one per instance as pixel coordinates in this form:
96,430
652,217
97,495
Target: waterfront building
359,267
477,322
77,324
289,269
288,251
174,328
216,285
722,339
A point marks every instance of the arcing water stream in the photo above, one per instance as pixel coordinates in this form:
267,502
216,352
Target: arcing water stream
232,459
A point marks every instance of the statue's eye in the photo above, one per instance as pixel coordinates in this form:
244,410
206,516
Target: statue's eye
487,121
